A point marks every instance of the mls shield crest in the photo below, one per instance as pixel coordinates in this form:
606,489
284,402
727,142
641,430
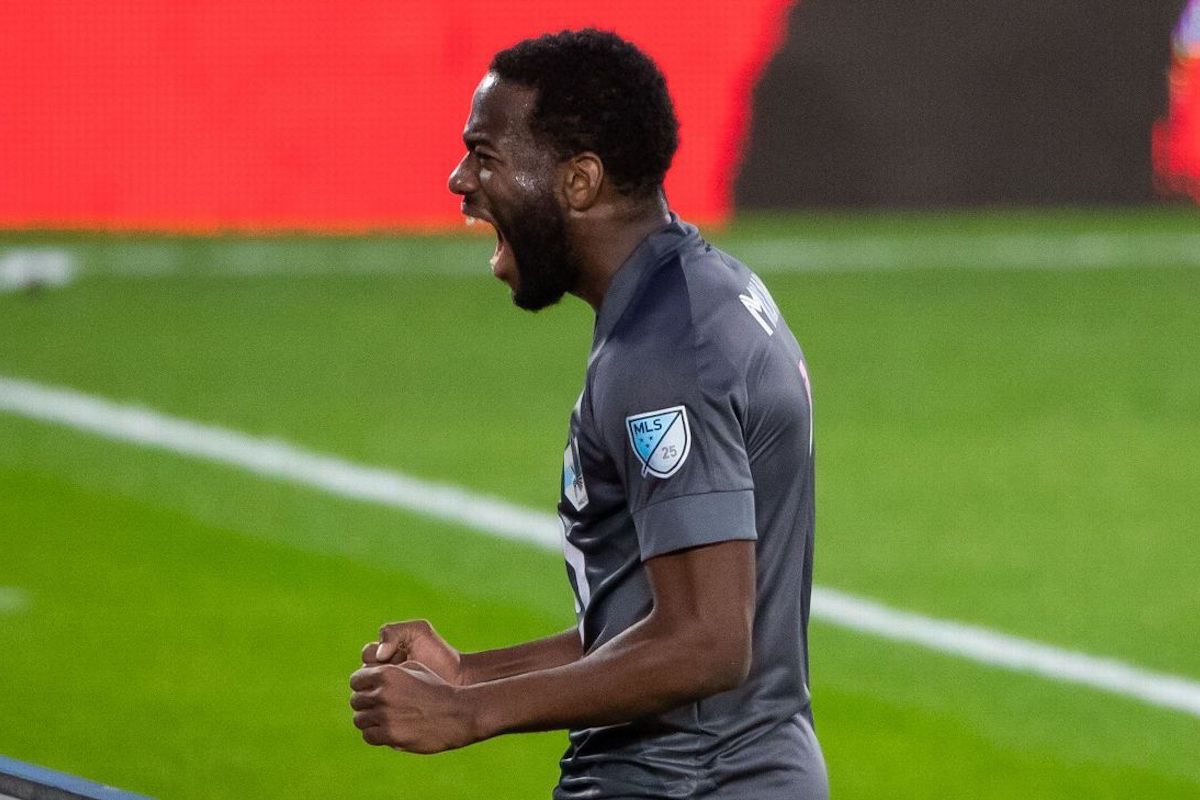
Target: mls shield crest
660,439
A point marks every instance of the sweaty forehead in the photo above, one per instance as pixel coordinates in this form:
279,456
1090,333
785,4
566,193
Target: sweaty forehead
500,110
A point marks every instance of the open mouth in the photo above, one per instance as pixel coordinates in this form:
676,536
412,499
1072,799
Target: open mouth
501,260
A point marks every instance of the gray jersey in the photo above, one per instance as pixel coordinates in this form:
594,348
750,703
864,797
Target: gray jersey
694,427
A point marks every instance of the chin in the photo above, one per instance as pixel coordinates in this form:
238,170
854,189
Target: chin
533,292
534,304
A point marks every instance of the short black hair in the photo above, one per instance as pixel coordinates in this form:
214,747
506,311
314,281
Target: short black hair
598,92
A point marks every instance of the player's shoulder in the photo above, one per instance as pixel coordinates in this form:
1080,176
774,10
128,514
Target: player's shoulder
708,301
719,286
702,297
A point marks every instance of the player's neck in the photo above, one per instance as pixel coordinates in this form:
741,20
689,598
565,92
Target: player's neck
608,238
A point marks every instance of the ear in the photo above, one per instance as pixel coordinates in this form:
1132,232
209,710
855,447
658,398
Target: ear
582,181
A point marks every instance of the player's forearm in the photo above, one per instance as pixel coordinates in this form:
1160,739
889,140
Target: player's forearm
647,670
542,654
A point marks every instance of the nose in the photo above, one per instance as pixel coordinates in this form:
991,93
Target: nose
463,179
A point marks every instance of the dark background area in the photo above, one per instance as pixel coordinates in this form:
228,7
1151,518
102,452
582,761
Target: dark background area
919,103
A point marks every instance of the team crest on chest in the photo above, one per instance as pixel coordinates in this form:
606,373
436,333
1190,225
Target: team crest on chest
574,489
660,439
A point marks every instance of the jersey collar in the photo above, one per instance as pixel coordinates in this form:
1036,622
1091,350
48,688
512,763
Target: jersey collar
651,252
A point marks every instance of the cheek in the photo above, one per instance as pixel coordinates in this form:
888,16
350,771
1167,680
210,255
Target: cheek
529,185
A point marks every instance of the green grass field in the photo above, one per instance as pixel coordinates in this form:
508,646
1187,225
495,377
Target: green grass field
1008,427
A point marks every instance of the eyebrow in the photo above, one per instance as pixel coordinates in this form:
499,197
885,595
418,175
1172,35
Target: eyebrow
475,139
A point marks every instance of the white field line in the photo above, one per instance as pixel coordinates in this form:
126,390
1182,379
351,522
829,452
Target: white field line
1046,251
254,258
12,600
275,459
993,648
280,460
30,267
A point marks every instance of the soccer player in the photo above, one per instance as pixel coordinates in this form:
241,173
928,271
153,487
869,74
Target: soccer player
687,484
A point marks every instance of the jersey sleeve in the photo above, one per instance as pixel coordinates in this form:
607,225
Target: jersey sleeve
675,433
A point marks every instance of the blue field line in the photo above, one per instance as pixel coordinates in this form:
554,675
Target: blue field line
274,459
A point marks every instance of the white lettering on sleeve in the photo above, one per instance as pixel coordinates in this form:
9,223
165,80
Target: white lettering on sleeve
761,306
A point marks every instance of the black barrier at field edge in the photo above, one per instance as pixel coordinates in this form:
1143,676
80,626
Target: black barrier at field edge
28,782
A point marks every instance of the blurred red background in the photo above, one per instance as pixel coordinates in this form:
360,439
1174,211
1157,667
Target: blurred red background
263,114
1177,137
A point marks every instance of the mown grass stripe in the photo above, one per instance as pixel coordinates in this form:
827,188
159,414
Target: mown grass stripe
12,600
281,460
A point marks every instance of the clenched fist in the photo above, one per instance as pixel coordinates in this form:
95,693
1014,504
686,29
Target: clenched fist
416,640
409,707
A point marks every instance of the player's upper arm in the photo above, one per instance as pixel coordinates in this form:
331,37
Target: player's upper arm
704,600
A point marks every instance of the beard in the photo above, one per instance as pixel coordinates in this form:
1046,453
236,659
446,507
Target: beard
547,267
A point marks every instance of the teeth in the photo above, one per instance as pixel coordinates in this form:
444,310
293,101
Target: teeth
470,220
494,259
